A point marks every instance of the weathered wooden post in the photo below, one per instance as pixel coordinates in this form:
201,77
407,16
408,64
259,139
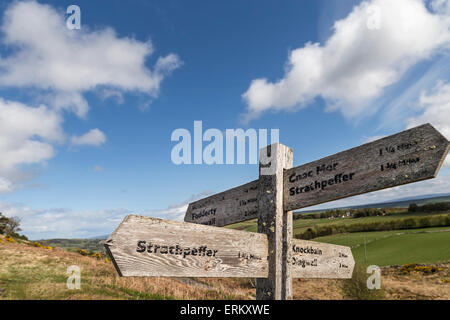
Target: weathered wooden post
275,222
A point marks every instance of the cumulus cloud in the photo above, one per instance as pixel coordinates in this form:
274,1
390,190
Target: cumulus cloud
5,185
374,138
441,6
49,56
60,66
66,223
27,136
369,50
435,110
92,138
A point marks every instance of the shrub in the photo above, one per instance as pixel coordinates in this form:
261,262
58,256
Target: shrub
409,223
83,252
430,207
96,255
356,287
424,222
36,244
410,267
306,235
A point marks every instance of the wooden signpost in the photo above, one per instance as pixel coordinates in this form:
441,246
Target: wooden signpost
228,207
150,247
312,259
143,246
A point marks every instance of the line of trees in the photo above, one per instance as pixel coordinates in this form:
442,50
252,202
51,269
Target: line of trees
338,213
373,212
10,227
430,207
395,224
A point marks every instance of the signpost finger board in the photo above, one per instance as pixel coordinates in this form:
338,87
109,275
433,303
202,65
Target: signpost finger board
228,207
312,259
409,156
149,247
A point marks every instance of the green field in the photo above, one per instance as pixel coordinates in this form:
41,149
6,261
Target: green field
430,245
396,247
300,225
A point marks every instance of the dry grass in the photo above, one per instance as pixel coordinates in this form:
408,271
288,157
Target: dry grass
417,285
28,272
397,285
317,289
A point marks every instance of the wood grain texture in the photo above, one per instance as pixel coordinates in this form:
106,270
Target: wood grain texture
321,260
276,223
228,253
228,207
409,156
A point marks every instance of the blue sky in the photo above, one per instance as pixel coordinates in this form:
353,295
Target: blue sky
103,131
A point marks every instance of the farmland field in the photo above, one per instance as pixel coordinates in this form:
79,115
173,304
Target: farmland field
303,224
429,245
383,248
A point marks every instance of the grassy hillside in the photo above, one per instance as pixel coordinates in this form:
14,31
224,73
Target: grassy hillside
31,271
28,272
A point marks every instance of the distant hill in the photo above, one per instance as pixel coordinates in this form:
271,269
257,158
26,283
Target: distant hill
398,203
428,196
103,237
74,244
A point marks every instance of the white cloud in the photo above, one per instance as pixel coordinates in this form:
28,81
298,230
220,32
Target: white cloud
27,136
373,138
441,6
67,63
436,110
116,95
357,62
92,138
59,66
65,223
6,185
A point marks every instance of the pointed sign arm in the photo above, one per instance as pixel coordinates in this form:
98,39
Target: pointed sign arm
143,246
409,156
